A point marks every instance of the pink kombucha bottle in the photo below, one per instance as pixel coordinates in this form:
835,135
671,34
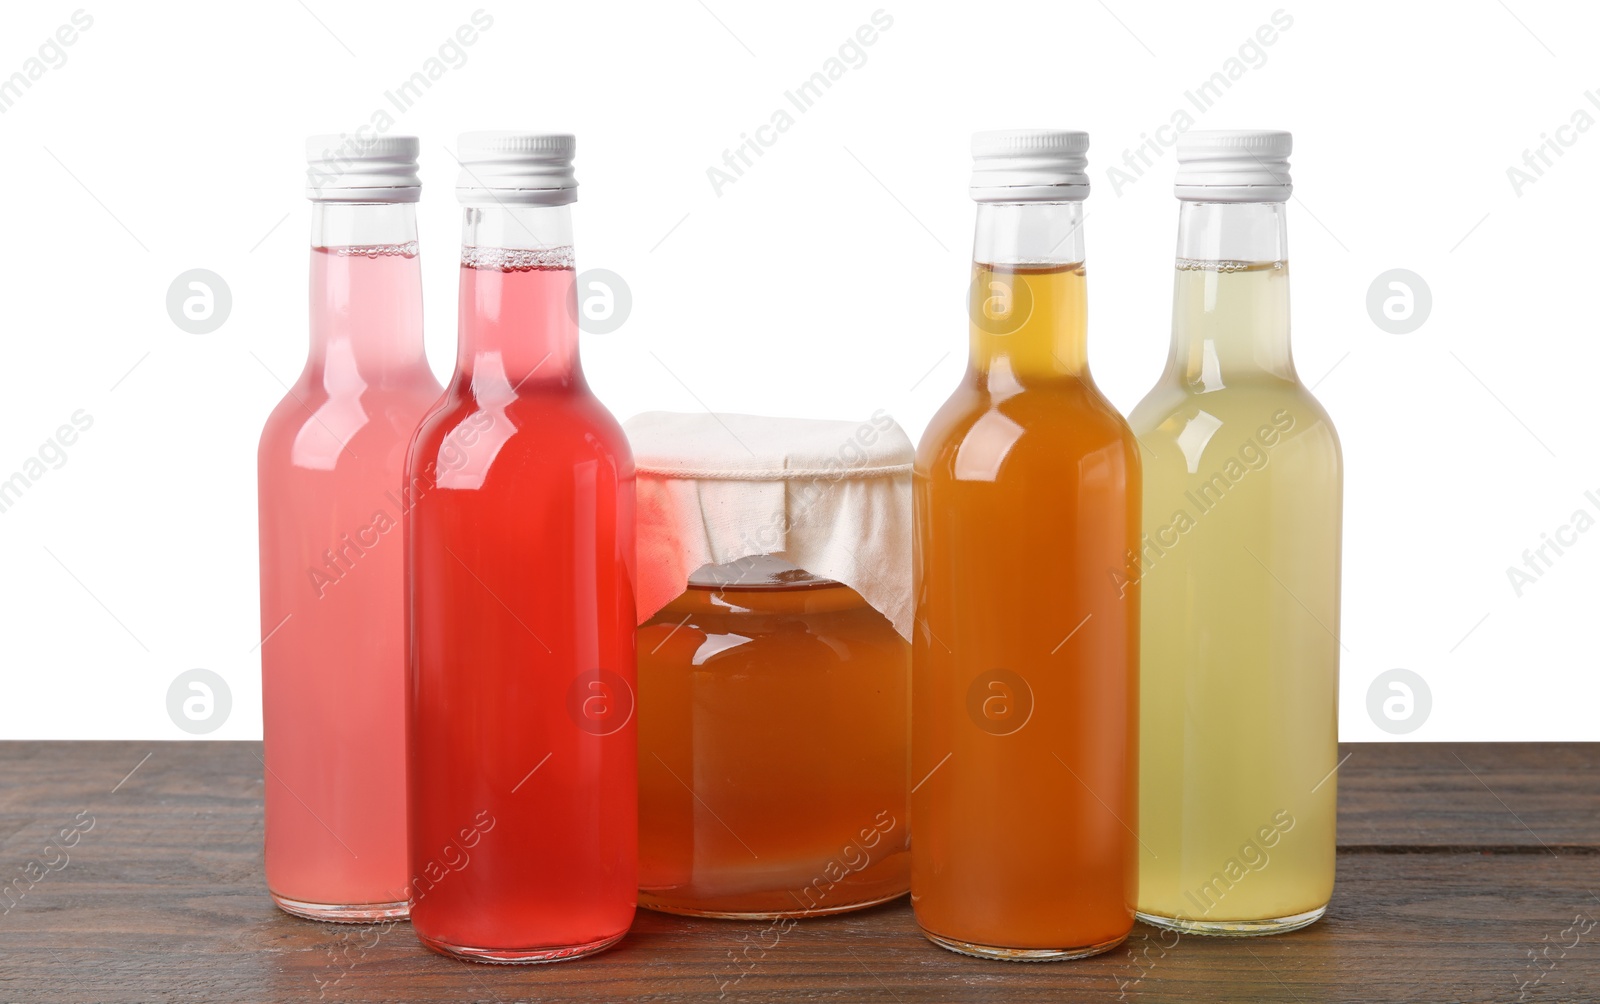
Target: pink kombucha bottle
330,473
523,769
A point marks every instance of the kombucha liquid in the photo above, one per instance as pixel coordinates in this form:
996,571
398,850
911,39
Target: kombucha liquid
783,708
1240,575
330,467
1025,652
520,549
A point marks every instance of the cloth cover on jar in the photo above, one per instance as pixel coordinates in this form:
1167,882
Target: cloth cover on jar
832,497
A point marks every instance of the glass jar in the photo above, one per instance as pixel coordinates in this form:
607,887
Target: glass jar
773,713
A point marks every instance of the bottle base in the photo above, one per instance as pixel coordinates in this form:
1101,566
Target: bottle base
689,910
517,956
1021,954
343,913
1235,928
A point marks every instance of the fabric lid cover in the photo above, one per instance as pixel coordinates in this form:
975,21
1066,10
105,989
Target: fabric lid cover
831,497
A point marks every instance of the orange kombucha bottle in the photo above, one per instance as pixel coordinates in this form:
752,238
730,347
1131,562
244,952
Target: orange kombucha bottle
1025,650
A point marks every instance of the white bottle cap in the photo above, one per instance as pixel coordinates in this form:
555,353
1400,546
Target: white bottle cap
1234,165
342,168
1030,165
517,168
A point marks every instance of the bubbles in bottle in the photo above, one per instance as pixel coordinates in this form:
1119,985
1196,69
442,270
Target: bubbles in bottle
517,259
406,250
1226,265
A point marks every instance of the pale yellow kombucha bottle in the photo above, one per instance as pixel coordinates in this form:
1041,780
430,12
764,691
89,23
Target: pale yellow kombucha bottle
1239,570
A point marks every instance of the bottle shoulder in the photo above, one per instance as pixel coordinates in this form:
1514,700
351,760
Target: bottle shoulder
1238,401
977,430
1179,426
322,428
531,431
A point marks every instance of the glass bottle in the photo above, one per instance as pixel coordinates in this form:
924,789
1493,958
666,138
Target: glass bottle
1025,652
330,469
1239,567
520,551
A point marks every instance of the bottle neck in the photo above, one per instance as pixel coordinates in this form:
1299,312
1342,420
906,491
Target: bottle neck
519,308
366,291
1230,304
1028,309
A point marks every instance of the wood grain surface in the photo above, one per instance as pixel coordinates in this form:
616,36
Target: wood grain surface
1467,872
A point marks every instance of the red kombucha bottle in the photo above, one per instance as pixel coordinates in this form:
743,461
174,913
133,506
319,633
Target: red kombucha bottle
520,561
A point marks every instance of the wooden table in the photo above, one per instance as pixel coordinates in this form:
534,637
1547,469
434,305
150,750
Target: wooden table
1459,865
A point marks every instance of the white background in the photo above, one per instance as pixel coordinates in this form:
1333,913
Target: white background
828,281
